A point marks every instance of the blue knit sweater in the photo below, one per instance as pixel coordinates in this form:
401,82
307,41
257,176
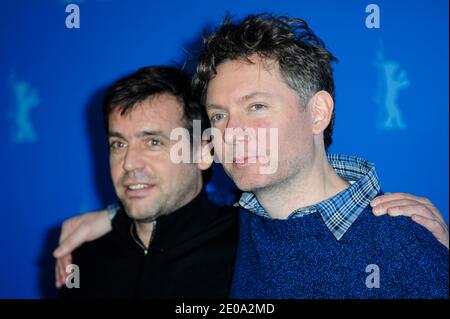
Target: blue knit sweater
300,258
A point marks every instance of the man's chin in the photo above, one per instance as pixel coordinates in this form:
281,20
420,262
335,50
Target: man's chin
145,220
250,183
140,214
142,217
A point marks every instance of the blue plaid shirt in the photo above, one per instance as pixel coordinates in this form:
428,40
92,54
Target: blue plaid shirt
340,211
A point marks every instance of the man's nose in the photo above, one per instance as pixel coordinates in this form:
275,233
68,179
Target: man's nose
134,159
238,131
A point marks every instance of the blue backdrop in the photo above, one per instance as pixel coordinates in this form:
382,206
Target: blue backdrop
391,107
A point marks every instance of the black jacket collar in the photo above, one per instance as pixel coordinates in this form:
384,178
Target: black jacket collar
183,225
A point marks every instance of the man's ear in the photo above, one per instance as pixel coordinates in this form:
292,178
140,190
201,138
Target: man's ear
206,156
321,106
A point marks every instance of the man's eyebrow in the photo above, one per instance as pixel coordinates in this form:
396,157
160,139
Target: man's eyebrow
153,133
254,95
115,134
140,134
214,106
242,99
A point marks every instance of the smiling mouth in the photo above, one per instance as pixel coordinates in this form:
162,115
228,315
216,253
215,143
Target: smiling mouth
134,187
138,190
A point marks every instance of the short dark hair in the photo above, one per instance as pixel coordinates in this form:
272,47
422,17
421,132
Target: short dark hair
305,63
152,81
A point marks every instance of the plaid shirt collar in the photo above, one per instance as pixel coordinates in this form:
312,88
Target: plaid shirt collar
340,211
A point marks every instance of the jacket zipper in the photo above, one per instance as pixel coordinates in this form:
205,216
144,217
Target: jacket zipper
137,241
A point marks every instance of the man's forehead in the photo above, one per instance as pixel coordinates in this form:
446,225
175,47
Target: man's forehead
242,81
155,112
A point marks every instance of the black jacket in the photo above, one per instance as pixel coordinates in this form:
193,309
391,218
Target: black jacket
191,255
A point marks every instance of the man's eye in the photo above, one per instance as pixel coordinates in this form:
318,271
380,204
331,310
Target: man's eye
217,117
116,145
154,142
257,107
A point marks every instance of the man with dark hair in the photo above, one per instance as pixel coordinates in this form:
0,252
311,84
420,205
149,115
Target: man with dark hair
168,240
306,231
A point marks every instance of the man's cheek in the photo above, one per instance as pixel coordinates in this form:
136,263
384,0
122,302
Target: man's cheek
219,151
